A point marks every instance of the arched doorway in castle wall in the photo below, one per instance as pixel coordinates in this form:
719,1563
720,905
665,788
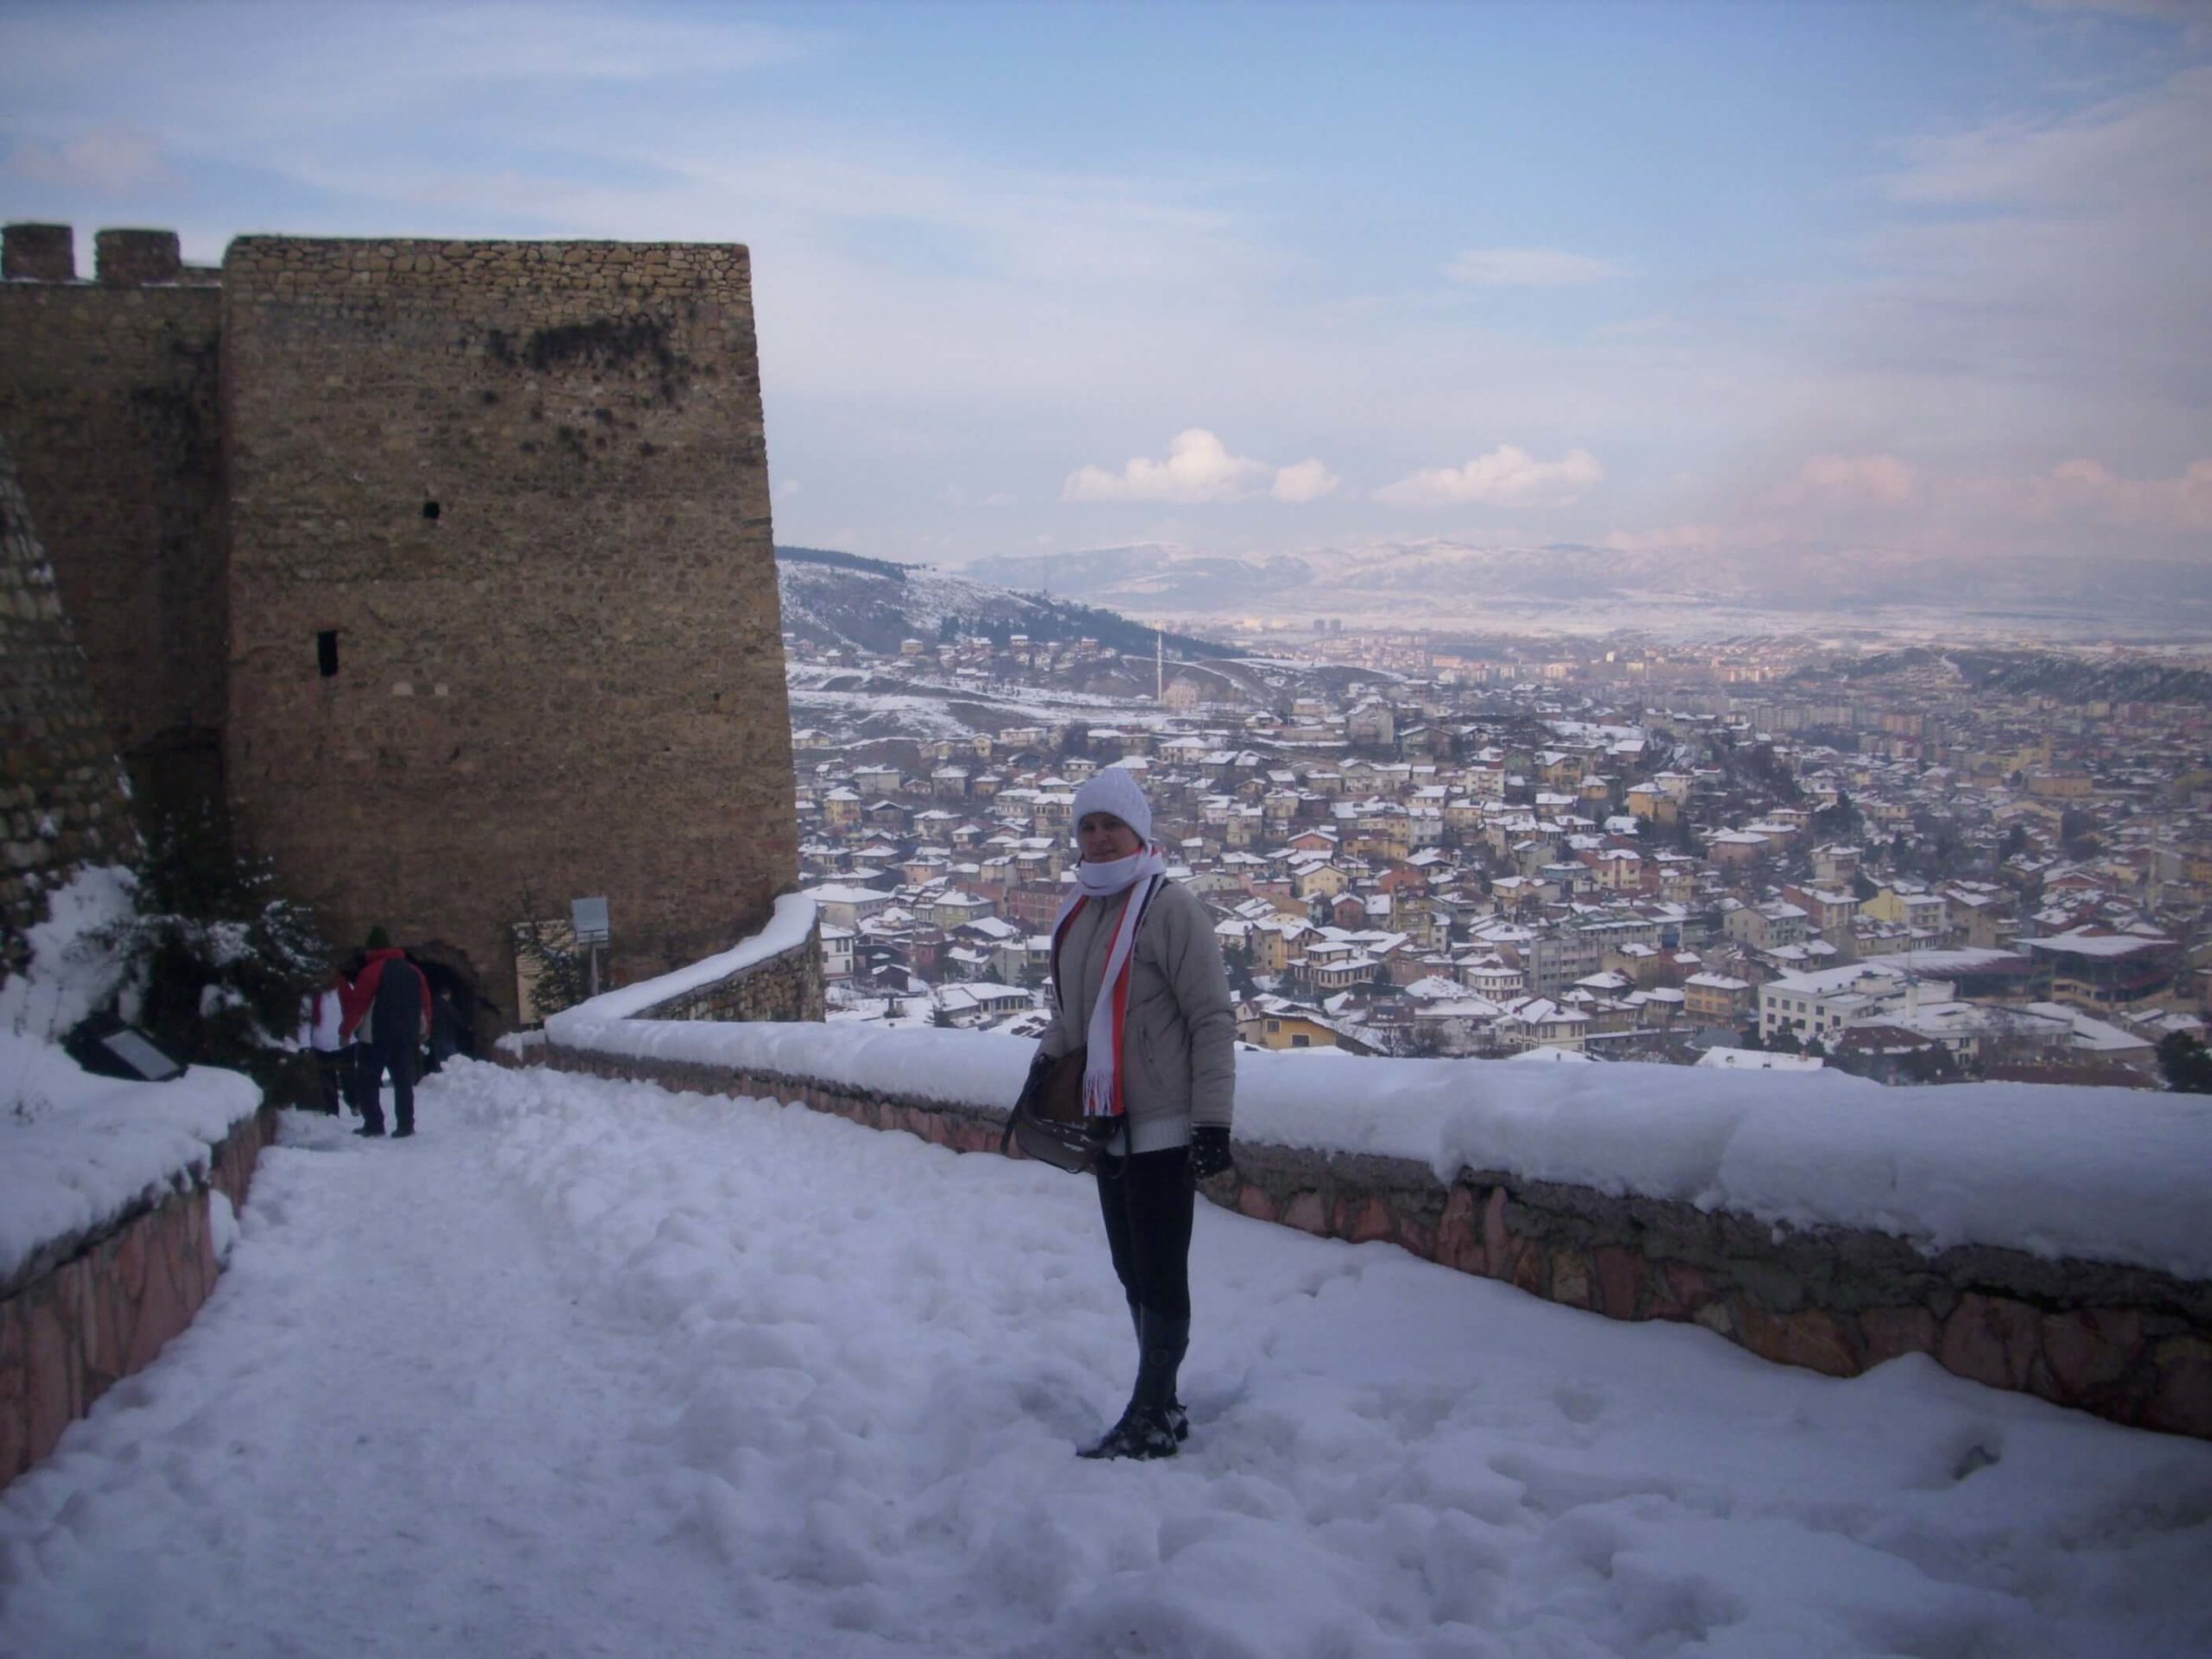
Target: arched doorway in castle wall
464,1020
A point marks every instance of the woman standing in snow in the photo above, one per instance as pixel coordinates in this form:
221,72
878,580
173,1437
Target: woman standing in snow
1138,985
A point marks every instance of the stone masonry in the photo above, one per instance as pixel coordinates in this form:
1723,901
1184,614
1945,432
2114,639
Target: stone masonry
108,399
516,495
2129,1344
62,799
86,1311
787,986
445,566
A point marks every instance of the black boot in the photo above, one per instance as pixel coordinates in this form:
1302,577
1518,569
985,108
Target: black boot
1178,1420
1146,1430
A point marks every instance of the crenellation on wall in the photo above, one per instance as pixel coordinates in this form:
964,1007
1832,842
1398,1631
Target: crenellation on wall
136,258
38,253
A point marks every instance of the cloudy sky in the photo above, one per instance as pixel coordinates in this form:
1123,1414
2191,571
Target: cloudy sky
1927,278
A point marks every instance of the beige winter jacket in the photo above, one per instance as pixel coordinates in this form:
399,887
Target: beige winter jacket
1178,1060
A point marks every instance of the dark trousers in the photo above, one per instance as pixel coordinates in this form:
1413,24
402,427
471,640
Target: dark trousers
333,1070
1147,1199
377,1058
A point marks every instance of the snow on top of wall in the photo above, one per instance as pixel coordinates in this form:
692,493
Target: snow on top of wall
2057,1172
77,1150
787,930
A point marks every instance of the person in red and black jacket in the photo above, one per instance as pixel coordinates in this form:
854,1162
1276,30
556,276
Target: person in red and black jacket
387,1014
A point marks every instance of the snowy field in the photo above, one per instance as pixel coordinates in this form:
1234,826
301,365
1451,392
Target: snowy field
591,1369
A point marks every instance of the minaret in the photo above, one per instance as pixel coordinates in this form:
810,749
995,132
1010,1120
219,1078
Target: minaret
1158,666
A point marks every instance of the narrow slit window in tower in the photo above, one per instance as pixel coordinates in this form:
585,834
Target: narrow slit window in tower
326,652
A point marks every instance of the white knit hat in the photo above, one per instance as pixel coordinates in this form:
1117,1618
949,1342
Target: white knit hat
1114,789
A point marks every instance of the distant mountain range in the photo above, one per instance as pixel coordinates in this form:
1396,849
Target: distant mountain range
1461,579
843,599
2072,680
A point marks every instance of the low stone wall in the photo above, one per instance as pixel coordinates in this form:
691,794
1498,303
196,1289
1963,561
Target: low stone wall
84,1313
786,986
2129,1344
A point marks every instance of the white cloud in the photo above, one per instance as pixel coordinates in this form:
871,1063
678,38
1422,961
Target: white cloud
2182,502
1882,480
999,498
1309,480
790,490
1199,467
1508,476
109,160
1527,268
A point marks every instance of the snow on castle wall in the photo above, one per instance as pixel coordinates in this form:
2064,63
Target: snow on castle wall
88,1308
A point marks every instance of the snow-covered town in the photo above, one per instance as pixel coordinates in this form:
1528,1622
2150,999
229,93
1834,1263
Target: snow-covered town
1770,856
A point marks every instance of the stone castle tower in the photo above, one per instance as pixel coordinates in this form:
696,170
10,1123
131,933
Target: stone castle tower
446,566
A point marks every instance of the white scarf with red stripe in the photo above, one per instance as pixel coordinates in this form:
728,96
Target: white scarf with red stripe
1102,1069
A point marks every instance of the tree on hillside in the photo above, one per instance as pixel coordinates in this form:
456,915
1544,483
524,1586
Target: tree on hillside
2186,1063
1839,822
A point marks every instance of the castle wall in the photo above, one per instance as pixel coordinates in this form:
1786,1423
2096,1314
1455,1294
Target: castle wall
521,490
107,397
61,802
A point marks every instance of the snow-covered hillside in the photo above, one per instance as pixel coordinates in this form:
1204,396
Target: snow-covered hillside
1572,587
873,607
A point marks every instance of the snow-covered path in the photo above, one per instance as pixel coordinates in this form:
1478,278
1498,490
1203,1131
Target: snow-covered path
590,1368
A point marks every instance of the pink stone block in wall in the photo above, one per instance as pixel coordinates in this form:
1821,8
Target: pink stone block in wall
2090,1348
1570,1271
1679,1290
1991,1339
170,1298
54,1400
1372,1221
1414,1235
2181,1401
1252,1200
1531,1269
1620,1273
1306,1212
1459,1233
1818,1340
1890,1332
1497,1246
14,1400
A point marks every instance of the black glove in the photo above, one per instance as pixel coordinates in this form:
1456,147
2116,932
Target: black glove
1208,1151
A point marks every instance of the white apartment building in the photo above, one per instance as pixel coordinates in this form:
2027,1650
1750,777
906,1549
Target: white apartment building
1821,1003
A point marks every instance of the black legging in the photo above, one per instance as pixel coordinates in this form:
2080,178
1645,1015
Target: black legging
1147,1199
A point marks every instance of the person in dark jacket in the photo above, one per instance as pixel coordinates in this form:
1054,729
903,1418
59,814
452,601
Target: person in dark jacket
391,1000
